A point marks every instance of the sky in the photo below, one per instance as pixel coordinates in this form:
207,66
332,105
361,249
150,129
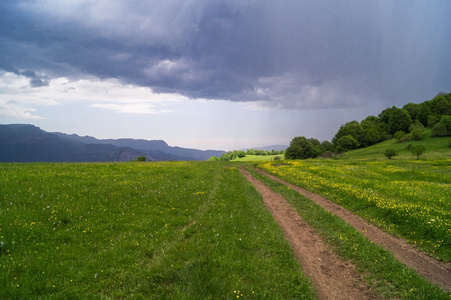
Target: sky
217,74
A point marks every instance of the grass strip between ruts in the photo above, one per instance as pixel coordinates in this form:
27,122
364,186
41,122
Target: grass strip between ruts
389,277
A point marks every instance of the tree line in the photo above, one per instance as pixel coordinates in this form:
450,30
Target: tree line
231,155
403,123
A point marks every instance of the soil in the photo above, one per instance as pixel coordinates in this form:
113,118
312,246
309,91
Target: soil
333,277
428,267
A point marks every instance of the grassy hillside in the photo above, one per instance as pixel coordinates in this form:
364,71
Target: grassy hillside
436,148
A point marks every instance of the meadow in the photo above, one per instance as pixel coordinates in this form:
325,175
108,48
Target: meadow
409,198
177,230
199,230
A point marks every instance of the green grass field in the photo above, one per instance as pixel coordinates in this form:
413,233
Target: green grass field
178,230
436,148
406,196
184,230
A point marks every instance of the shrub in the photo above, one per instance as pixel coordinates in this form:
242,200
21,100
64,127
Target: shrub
417,134
330,154
390,153
418,150
439,129
399,135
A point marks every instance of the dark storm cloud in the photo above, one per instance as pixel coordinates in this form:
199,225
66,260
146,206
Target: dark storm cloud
295,54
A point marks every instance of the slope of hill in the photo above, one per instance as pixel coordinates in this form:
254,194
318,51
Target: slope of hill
436,147
28,143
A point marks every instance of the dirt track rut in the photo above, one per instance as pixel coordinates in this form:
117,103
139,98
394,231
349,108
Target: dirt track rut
435,271
333,277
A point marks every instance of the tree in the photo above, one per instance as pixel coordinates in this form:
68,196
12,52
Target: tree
293,152
423,113
417,134
390,153
302,148
374,131
418,150
327,146
352,128
386,114
346,143
141,158
412,109
241,154
443,127
400,120
399,135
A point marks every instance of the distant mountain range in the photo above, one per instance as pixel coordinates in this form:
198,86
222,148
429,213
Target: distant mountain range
28,143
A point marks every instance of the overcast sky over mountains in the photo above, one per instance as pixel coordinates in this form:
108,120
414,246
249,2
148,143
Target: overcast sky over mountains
217,74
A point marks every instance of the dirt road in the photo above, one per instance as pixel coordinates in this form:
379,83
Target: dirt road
435,271
333,277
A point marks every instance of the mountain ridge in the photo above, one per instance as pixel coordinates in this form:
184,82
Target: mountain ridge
29,143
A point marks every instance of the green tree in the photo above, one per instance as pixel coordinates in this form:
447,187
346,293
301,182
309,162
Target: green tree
399,135
424,112
389,153
400,120
441,105
386,114
305,148
412,109
443,127
417,134
347,142
294,152
352,128
418,150
327,146
141,158
241,154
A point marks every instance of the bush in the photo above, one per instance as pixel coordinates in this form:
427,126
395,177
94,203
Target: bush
399,135
141,158
390,153
439,129
418,150
330,154
417,134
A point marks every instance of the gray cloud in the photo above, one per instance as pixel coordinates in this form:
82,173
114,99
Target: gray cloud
291,54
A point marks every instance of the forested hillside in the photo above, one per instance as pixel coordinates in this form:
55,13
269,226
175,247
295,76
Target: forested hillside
406,123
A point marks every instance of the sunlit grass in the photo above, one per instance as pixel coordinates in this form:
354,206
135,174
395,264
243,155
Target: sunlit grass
410,198
177,230
386,275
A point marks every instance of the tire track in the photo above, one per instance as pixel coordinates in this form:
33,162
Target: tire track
428,267
333,277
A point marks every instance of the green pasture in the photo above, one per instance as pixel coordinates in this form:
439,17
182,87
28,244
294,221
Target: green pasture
436,148
199,230
389,278
178,230
410,198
